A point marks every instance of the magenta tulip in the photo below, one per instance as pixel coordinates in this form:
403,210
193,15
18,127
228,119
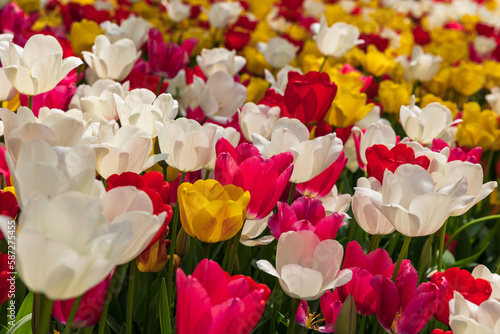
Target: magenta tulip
305,214
244,167
211,302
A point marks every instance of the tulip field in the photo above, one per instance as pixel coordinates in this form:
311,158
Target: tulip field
251,166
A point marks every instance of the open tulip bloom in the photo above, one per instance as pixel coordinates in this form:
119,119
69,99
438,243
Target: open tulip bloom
228,167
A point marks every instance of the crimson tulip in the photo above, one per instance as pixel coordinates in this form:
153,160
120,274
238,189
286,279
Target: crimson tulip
8,205
90,307
244,167
321,185
211,301
308,97
305,214
455,279
5,278
380,158
166,60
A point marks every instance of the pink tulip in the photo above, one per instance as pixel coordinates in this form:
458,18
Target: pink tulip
244,167
90,307
404,319
305,214
166,60
322,184
4,169
364,268
210,301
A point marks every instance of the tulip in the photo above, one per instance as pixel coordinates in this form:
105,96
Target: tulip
219,98
38,67
348,108
376,133
455,280
212,301
90,307
5,277
494,99
337,40
308,97
376,62
223,14
230,135
190,137
82,35
307,267
252,229
467,78
133,28
111,60
257,119
8,204
424,125
166,60
142,108
335,202
466,317
96,101
220,59
278,52
66,234
279,83
422,66
393,95
483,272
211,212
265,179
177,10
305,214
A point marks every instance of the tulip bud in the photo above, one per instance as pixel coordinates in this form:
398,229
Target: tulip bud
154,258
182,243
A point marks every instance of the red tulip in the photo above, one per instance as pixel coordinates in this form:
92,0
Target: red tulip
308,97
379,158
330,307
322,184
210,301
90,307
8,204
5,278
244,167
166,60
305,214
454,279
4,168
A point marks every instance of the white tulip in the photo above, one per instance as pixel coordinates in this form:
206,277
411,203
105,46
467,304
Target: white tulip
251,231
112,60
484,45
494,99
223,14
337,40
467,318
279,84
278,52
483,272
230,134
38,67
258,119
177,11
422,66
133,28
220,59
305,266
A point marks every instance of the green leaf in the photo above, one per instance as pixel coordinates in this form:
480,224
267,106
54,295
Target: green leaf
469,259
26,306
3,329
164,310
346,321
21,326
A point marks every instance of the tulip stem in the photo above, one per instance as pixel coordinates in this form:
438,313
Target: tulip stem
107,300
207,174
45,315
160,85
441,245
374,242
72,314
291,324
130,296
175,223
35,313
362,325
234,252
276,302
206,250
323,63
423,258
402,255
475,221
292,192
30,102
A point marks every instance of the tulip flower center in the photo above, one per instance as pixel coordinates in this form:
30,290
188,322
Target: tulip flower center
312,320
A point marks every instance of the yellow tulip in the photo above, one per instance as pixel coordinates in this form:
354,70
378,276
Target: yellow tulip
256,88
82,36
479,128
256,63
450,44
28,6
394,95
440,83
12,104
349,106
376,62
211,212
492,71
468,78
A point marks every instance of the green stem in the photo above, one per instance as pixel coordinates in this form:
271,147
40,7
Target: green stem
441,246
234,252
30,102
291,324
107,300
374,242
362,325
175,224
226,254
206,250
160,85
402,255
45,316
276,304
323,64
292,192
207,174
475,221
72,314
130,296
35,313
203,120
423,259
